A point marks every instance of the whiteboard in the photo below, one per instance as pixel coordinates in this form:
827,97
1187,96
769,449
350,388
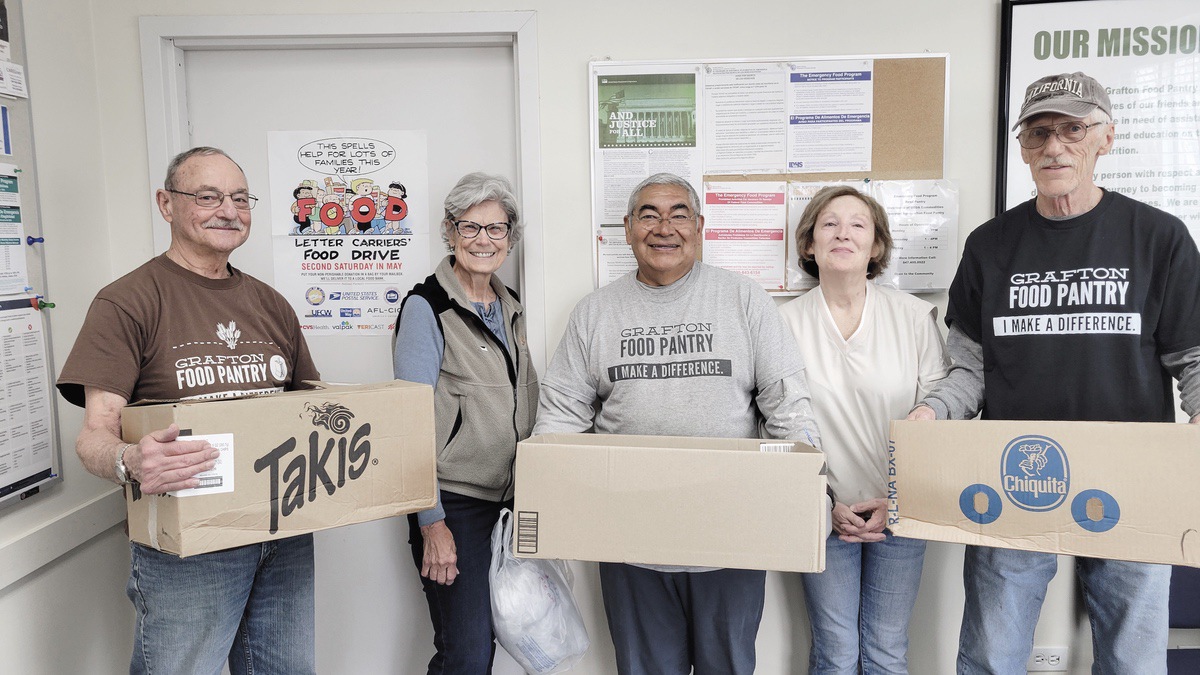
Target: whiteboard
17,481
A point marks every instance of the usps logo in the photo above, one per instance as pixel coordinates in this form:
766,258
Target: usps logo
1034,473
335,295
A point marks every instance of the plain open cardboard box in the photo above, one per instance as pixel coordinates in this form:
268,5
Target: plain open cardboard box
1100,489
670,500
303,461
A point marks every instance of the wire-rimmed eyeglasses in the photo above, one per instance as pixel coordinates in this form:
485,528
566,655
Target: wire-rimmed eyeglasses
211,199
1067,132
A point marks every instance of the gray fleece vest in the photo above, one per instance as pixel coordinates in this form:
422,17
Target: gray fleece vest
486,396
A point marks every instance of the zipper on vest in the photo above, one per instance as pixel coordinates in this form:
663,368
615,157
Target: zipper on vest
511,363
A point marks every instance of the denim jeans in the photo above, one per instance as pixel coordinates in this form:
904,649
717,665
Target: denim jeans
860,605
462,611
664,623
251,606
1126,602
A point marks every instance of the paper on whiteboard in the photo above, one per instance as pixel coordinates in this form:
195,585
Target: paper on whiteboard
830,107
14,271
745,113
923,216
744,226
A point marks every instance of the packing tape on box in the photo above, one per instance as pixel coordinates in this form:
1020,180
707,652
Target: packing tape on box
152,524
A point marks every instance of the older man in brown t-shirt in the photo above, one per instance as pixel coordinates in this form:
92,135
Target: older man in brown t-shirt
188,325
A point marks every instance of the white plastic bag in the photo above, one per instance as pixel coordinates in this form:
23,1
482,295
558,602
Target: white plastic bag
533,612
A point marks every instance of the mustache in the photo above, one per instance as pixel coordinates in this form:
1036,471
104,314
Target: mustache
1053,161
222,224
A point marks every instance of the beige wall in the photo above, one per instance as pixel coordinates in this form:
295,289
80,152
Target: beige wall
85,73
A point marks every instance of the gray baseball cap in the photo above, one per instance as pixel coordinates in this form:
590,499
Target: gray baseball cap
1073,94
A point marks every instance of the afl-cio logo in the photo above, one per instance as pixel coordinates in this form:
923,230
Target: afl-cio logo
315,295
1034,473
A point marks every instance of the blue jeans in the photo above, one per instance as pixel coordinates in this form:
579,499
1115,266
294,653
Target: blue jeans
251,606
860,605
462,611
1126,602
664,623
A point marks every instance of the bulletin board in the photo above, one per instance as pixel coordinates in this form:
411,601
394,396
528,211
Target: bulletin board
30,457
758,137
1146,53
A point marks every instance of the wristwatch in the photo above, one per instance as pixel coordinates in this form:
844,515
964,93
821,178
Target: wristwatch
123,476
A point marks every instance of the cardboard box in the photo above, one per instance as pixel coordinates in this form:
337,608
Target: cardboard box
300,461
668,500
1099,489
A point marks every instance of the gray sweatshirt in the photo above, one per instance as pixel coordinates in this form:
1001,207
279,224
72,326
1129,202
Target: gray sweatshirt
705,356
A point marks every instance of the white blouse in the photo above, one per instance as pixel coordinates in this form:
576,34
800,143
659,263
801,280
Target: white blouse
860,384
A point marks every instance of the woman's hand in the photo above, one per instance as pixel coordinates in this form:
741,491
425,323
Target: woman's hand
855,529
441,556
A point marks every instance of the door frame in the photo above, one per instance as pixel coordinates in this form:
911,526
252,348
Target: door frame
164,39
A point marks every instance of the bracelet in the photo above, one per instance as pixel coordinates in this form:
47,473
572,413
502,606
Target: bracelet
124,475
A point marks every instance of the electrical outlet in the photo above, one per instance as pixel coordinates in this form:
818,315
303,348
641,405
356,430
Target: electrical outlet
1047,659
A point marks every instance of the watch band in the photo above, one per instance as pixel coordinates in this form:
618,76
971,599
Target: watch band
123,471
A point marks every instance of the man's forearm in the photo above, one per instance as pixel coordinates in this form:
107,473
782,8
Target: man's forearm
560,412
1185,367
98,449
959,395
786,407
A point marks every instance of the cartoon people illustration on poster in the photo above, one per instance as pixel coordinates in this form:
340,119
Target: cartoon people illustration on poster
360,207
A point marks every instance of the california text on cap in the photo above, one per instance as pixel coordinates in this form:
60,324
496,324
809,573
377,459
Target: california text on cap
1073,94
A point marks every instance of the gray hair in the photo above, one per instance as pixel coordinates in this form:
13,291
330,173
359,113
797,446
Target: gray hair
476,188
665,179
199,151
1099,115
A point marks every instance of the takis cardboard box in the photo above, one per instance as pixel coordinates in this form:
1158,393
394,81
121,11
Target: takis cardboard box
1098,489
291,463
666,500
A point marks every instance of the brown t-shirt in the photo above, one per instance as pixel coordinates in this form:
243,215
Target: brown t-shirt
163,332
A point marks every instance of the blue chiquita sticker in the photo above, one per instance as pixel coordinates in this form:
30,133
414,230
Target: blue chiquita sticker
1034,473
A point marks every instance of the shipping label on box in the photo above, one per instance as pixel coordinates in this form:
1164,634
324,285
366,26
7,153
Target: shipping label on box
297,462
1098,489
664,500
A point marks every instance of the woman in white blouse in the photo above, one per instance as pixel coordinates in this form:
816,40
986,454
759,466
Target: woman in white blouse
871,353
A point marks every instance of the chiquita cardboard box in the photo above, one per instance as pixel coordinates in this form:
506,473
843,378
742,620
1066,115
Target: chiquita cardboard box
291,463
665,500
1097,489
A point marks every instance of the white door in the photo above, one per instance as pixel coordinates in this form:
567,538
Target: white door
462,98
371,614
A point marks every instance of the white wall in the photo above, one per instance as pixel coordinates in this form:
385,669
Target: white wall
85,73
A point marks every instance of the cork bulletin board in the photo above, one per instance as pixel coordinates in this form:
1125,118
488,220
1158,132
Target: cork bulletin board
758,137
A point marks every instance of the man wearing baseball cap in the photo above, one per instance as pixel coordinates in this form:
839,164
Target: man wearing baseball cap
1108,290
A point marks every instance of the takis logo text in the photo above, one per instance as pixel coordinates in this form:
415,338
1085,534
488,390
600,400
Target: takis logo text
330,460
